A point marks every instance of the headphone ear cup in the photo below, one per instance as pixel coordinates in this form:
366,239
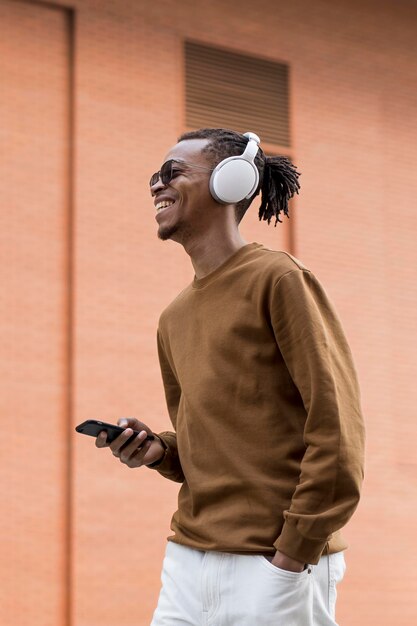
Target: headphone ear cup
233,180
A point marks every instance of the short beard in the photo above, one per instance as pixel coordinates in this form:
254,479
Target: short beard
167,232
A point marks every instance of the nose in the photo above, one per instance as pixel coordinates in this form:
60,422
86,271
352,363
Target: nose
157,186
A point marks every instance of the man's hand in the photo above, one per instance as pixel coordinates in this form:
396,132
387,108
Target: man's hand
137,453
285,562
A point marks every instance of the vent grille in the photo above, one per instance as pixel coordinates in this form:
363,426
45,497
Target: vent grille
230,90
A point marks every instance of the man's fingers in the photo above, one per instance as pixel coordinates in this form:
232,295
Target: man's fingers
133,447
120,441
132,453
137,457
101,440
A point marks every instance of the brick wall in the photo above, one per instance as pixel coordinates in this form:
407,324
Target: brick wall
92,99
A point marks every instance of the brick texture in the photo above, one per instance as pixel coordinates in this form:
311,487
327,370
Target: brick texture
89,107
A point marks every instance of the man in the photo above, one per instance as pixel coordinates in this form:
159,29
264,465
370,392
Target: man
263,397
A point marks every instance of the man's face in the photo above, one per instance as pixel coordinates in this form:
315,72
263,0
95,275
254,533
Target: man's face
188,191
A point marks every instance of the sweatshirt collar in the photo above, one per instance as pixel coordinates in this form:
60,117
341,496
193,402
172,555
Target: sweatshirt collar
233,260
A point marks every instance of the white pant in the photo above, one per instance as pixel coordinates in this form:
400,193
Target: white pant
221,589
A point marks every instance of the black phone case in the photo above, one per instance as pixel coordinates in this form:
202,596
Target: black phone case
94,427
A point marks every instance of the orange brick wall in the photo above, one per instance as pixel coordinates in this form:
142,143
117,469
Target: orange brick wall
91,100
34,191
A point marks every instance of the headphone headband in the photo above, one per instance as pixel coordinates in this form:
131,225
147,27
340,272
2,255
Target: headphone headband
252,147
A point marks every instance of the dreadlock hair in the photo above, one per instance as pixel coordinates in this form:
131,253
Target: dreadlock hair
278,177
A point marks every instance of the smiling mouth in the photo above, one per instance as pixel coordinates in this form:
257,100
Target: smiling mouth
164,205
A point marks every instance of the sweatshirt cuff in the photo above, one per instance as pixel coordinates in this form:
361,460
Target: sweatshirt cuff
169,465
162,459
294,545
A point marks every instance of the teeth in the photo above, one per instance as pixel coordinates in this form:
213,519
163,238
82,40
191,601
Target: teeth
163,204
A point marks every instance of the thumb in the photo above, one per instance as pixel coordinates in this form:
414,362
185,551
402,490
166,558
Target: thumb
125,422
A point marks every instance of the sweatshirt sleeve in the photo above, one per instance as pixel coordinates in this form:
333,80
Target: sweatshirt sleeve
318,358
170,466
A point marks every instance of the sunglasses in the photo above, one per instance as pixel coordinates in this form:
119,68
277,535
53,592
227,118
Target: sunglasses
170,170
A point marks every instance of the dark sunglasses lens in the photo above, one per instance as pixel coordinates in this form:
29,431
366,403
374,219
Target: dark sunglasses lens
166,172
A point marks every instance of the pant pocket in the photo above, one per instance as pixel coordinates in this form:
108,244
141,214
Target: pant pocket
284,598
286,574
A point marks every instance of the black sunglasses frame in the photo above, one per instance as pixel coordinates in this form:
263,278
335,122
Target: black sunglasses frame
166,173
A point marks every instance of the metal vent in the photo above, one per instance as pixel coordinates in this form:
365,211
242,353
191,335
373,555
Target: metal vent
229,90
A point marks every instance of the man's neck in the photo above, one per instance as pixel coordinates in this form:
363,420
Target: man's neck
207,255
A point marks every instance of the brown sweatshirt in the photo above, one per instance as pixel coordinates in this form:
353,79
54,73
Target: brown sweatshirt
264,400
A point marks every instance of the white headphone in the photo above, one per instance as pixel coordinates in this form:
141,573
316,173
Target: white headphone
236,177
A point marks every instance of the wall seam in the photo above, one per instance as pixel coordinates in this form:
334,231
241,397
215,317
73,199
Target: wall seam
70,314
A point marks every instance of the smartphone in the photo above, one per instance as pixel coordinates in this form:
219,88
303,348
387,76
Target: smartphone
94,427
